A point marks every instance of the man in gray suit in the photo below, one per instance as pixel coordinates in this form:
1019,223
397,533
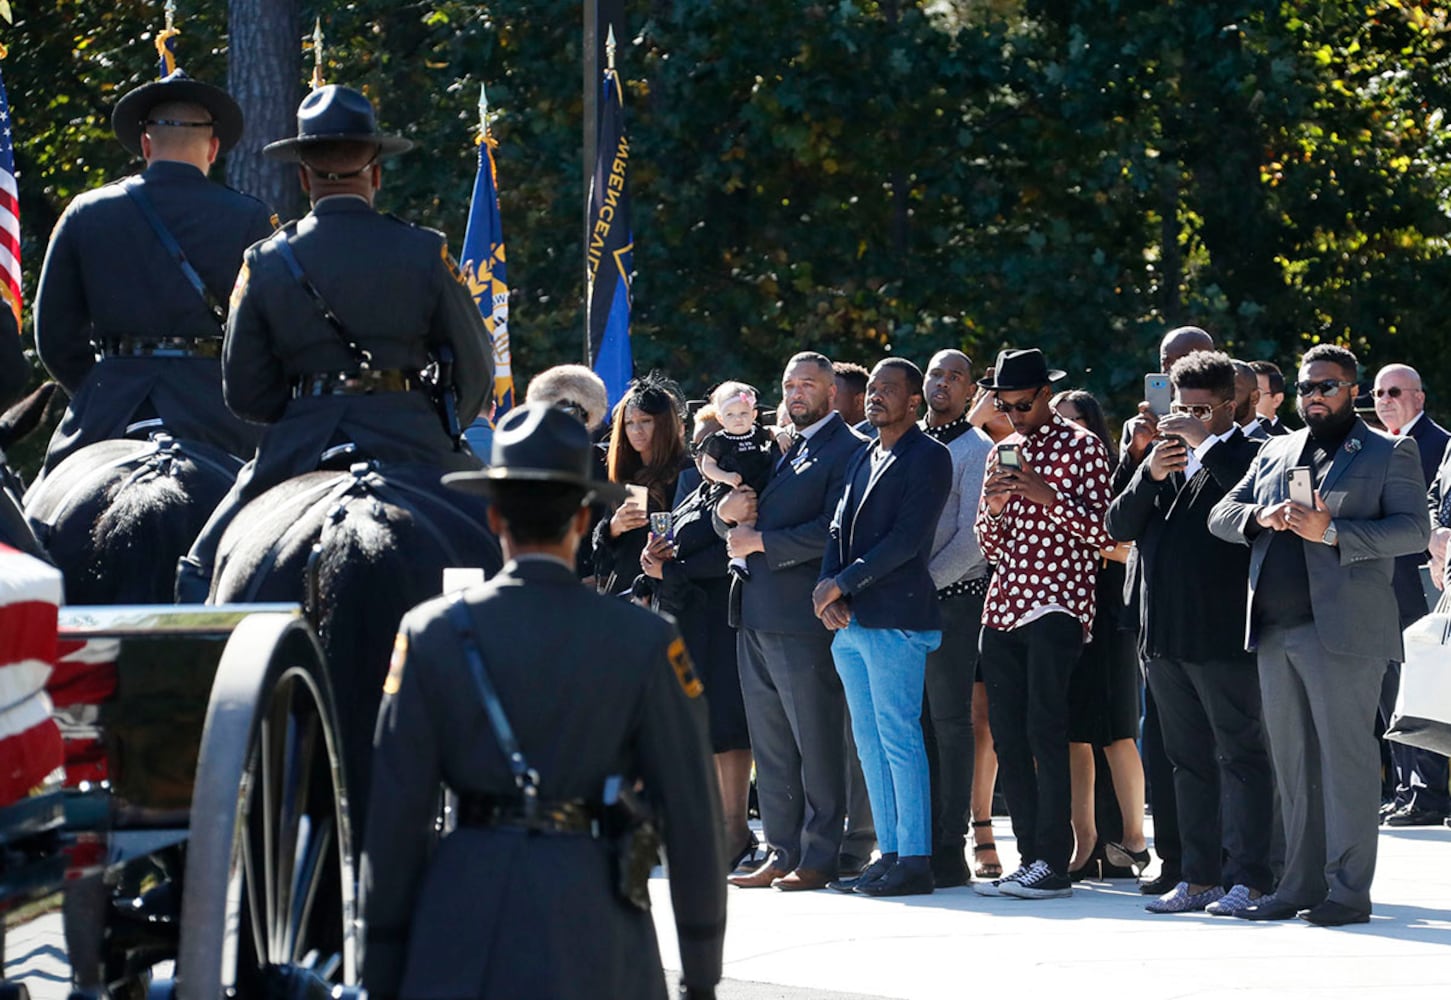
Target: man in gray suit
1323,621
794,702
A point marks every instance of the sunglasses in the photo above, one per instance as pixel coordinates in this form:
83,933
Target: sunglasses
1394,392
1329,387
1199,411
1002,406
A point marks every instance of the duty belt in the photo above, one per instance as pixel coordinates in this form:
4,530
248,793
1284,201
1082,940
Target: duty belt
161,347
360,383
574,816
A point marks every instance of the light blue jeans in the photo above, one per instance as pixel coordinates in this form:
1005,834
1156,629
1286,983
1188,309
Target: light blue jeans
882,673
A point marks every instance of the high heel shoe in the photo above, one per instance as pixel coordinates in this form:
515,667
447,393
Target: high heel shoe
1117,854
746,856
1089,869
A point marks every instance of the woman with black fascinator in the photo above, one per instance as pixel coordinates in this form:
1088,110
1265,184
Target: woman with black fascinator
646,453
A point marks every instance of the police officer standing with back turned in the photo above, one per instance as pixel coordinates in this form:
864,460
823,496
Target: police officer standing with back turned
137,274
537,701
334,319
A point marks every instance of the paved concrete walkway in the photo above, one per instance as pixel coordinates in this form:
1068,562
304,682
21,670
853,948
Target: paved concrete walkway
1101,942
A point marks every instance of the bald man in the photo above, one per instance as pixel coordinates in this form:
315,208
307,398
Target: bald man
1421,797
138,273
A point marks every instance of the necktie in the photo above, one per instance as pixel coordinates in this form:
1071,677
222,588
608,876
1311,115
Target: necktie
798,440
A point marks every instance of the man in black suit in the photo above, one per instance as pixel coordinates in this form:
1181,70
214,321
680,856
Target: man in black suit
333,320
1205,683
114,283
876,594
1421,796
1272,396
794,703
1323,623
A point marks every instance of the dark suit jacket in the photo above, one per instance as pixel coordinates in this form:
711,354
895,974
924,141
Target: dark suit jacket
1274,428
1431,438
793,516
1373,491
1191,583
493,913
14,370
881,538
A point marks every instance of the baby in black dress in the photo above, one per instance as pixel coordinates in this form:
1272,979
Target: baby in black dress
742,452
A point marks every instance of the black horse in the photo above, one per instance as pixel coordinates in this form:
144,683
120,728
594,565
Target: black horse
15,424
117,515
357,549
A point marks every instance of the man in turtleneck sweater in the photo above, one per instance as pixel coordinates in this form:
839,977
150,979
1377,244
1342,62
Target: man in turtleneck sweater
1323,622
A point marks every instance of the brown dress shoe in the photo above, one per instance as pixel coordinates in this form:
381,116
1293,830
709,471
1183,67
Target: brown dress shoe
802,880
758,879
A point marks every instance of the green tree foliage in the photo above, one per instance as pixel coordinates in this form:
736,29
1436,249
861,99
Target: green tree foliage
894,176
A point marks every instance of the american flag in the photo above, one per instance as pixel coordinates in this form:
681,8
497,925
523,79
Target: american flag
9,213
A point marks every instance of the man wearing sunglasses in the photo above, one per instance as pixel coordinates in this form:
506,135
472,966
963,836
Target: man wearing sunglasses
1204,682
1421,797
1323,622
1040,521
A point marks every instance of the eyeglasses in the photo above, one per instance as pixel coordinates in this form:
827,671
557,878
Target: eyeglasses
1394,392
1002,406
1329,387
1199,411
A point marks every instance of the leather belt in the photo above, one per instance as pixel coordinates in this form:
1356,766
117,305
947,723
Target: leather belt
161,347
573,816
360,383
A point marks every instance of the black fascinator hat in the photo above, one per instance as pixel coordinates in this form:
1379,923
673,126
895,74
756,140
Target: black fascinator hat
656,394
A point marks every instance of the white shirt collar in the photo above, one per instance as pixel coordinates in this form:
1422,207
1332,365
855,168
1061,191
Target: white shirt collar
1406,429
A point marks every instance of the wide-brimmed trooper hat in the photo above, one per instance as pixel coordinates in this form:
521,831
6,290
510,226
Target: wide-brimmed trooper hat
335,114
1021,370
538,443
129,117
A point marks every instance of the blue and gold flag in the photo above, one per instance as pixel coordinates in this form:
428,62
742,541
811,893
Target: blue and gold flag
609,252
483,268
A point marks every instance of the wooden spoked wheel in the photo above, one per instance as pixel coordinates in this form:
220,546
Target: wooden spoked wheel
268,904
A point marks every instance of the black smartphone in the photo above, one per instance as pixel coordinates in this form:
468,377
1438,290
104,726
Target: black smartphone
1158,393
1009,457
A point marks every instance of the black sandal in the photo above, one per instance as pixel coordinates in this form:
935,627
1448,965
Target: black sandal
747,853
988,869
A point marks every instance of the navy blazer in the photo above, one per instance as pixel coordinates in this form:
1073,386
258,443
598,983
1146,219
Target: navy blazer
793,513
881,539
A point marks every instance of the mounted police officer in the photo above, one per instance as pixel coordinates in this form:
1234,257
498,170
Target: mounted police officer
334,320
539,702
137,275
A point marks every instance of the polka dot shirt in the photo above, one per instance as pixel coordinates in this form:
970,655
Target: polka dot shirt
1048,557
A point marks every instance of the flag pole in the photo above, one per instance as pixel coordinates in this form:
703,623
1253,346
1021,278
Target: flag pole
317,76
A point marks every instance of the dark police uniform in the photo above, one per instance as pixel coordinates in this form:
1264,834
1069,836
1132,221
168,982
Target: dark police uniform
592,686
109,285
14,371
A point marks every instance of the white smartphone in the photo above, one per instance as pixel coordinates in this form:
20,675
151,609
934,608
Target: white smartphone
1158,393
637,495
1302,489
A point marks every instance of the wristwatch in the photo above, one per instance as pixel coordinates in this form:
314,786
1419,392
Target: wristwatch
1330,534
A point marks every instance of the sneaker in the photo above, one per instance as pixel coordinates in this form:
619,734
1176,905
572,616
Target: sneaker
1041,882
1232,902
995,887
1180,900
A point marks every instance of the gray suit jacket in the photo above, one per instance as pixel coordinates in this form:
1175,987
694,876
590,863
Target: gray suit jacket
1373,492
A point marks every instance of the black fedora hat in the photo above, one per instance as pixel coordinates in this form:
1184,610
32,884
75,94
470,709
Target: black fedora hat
539,443
128,118
335,114
1021,370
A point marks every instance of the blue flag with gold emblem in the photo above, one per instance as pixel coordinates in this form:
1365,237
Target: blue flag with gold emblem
484,270
609,251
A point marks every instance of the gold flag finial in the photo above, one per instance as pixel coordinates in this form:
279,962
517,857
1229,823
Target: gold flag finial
317,54
610,49
165,42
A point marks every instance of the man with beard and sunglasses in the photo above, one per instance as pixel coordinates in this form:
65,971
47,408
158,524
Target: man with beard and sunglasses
1323,621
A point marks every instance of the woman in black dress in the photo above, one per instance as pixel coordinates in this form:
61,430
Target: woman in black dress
646,453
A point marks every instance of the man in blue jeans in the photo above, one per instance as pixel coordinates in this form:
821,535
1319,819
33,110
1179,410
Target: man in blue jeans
877,595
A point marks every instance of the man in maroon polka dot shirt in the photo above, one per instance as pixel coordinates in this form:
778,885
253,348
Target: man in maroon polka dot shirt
1042,524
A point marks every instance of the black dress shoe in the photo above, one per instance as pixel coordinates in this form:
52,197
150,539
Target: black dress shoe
1333,914
1165,882
870,873
949,866
850,865
908,877
1270,908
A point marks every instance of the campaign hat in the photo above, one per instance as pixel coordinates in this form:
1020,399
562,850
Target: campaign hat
335,114
128,118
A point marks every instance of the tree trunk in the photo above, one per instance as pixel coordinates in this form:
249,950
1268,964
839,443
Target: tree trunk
264,75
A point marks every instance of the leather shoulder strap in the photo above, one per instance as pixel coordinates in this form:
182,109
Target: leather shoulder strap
361,355
524,776
173,249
